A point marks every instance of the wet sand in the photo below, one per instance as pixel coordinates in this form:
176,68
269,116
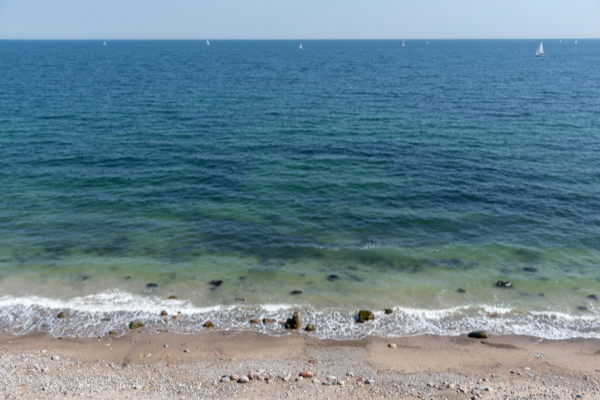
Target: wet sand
139,365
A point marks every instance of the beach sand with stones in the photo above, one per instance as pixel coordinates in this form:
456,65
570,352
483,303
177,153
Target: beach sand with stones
149,364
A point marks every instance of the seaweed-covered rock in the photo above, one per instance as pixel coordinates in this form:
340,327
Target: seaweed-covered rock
310,328
151,285
296,292
389,311
136,325
208,324
216,282
478,335
365,315
593,297
62,315
503,284
164,312
172,297
295,322
461,291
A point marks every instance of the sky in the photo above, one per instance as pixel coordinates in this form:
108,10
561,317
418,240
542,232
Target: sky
294,19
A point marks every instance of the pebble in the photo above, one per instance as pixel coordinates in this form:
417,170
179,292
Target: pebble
243,379
55,358
186,350
306,374
393,345
331,378
316,381
369,381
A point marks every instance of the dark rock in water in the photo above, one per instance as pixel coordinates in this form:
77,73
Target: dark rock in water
242,278
269,321
135,325
389,311
478,335
164,312
208,325
582,308
295,322
333,278
255,321
113,332
85,278
127,278
365,315
105,319
240,299
542,295
593,297
62,314
216,283
310,328
461,291
296,292
530,269
502,284
172,297
152,285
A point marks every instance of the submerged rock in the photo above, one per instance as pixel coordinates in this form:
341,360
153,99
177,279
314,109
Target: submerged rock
530,269
240,299
365,315
208,325
62,315
502,284
310,328
593,297
151,285
333,278
216,282
172,297
389,311
461,291
296,292
295,322
478,335
269,321
136,325
255,321
112,332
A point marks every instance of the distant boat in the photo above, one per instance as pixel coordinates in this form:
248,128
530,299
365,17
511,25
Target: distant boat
301,48
427,42
207,42
105,43
575,41
540,51
560,41
403,44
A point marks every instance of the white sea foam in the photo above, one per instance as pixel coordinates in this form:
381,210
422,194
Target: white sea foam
96,314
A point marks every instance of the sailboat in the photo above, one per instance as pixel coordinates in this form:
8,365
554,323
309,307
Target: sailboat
403,44
301,48
104,43
575,41
427,42
560,41
540,51
207,42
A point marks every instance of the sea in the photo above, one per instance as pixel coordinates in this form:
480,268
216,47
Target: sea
250,179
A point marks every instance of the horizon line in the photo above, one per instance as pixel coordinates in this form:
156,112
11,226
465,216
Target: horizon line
310,39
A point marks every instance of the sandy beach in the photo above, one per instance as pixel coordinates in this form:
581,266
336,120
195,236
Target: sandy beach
150,364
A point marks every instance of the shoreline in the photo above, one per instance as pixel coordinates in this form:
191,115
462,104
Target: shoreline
149,365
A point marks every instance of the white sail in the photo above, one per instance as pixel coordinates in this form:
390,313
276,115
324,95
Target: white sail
403,44
575,41
207,42
540,51
301,48
560,41
104,43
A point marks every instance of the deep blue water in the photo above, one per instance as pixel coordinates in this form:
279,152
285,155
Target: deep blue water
405,171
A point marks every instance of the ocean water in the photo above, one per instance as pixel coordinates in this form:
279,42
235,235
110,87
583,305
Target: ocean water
364,174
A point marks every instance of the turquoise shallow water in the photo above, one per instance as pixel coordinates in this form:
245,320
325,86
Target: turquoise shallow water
364,174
